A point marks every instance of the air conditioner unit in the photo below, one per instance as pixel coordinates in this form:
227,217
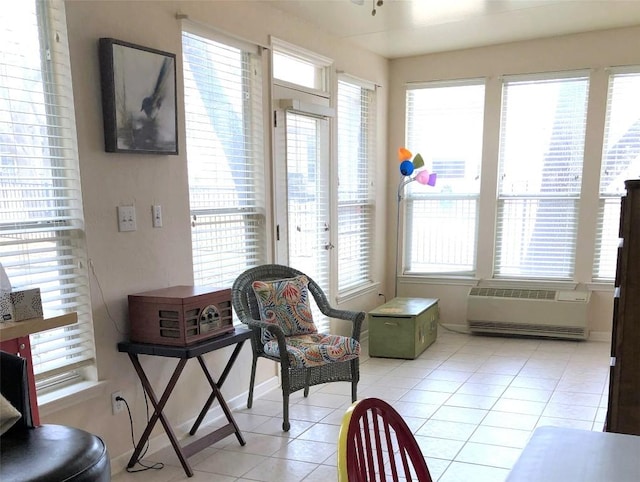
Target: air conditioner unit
534,312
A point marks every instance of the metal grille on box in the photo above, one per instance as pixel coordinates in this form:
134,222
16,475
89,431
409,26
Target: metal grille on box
180,315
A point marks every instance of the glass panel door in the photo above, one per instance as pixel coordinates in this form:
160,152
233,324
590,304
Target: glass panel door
305,169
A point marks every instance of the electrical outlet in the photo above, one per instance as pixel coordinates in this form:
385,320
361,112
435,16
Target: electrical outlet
117,406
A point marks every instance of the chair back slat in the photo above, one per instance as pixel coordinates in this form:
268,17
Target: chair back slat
361,455
389,447
405,464
374,428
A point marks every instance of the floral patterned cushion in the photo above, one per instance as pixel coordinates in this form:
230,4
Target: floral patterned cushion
316,349
285,302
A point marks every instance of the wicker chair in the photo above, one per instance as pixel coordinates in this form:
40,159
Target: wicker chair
293,378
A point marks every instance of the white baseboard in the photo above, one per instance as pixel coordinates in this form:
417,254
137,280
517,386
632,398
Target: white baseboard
161,440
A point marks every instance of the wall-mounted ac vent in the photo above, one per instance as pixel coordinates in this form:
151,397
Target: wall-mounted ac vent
551,313
514,293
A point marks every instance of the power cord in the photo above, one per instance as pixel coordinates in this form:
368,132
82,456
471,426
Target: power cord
104,302
156,465
453,330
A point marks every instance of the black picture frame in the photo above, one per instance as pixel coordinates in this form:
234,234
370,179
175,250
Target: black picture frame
139,104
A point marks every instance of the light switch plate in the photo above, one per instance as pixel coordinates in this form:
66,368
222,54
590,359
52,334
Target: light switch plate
156,213
126,218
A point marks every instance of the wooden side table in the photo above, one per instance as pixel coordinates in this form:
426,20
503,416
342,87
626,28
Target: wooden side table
403,327
197,350
14,338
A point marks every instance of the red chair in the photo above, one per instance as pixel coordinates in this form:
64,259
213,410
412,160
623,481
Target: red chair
375,444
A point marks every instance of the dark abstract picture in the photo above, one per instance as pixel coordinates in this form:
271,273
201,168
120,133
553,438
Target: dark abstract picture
138,98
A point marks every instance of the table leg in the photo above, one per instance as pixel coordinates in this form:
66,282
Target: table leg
157,414
232,360
215,393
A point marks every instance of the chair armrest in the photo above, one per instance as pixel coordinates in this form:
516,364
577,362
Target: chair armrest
272,328
355,317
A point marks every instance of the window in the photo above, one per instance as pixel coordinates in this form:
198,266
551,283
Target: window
540,175
620,161
297,66
356,205
297,71
223,113
444,124
41,219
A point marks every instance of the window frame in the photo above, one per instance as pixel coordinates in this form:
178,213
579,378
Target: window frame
607,228
414,195
362,167
53,256
320,64
249,208
500,268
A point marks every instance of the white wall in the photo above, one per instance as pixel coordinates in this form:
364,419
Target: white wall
151,258
595,51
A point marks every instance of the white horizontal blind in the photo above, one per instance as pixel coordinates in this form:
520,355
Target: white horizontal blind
620,161
540,175
444,123
356,204
225,151
41,219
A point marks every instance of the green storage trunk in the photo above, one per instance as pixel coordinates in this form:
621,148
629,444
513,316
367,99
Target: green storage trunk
403,327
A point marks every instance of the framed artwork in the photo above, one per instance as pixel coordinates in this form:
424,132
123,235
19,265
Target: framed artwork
138,98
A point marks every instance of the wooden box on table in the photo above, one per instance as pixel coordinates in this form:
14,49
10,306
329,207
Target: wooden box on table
180,315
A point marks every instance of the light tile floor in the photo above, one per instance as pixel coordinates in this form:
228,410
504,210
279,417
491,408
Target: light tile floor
472,402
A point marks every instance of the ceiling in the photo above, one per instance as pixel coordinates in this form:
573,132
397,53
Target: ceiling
403,28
